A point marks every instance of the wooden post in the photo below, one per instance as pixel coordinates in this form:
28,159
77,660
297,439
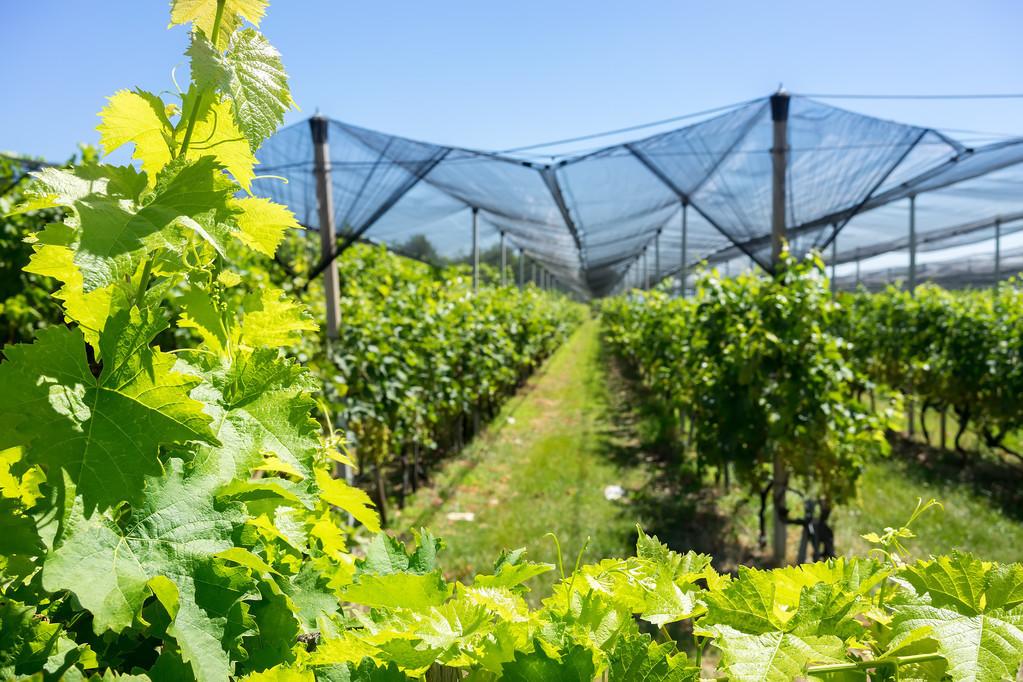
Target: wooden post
912,244
998,253
910,412
779,153
834,264
684,272
475,249
657,257
328,234
504,260
779,156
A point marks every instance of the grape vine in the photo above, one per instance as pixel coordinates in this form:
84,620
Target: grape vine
172,515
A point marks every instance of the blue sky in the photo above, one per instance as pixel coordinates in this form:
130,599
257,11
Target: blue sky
497,75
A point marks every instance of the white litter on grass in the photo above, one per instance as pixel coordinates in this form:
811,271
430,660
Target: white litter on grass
614,492
461,516
511,420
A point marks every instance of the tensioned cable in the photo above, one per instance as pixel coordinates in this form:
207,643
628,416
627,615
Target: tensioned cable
629,129
1000,95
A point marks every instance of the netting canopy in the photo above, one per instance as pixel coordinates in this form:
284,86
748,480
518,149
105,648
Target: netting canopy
590,218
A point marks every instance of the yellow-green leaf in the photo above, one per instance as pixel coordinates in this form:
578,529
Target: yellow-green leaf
262,223
141,118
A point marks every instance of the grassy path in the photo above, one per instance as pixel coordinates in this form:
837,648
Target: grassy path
579,426
541,467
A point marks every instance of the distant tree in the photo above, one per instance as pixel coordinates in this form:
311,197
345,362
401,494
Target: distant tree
421,248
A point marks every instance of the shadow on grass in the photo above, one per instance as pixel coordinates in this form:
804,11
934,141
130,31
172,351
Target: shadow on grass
678,507
985,474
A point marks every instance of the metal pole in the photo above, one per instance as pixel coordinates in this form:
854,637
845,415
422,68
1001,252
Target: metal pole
998,253
522,268
475,248
684,272
857,272
779,152
646,270
504,260
328,234
657,257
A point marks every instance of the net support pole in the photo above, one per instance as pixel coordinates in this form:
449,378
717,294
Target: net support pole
504,261
657,257
475,249
912,244
834,264
779,153
779,162
319,126
522,268
998,253
910,412
684,271
857,272
328,234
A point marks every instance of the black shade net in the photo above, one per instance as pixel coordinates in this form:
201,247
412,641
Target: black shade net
613,218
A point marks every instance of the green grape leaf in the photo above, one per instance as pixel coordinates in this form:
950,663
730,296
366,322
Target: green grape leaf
386,555
512,574
746,604
640,659
399,590
276,630
310,596
29,644
251,75
682,567
113,234
18,530
773,656
281,673
978,648
966,584
349,499
273,319
575,665
262,223
105,432
138,117
217,135
202,14
89,309
165,547
259,404
669,603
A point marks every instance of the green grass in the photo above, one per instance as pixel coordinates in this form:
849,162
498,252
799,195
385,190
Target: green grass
540,467
971,520
579,426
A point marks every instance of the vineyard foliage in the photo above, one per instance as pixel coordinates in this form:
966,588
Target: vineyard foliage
959,351
172,514
753,366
